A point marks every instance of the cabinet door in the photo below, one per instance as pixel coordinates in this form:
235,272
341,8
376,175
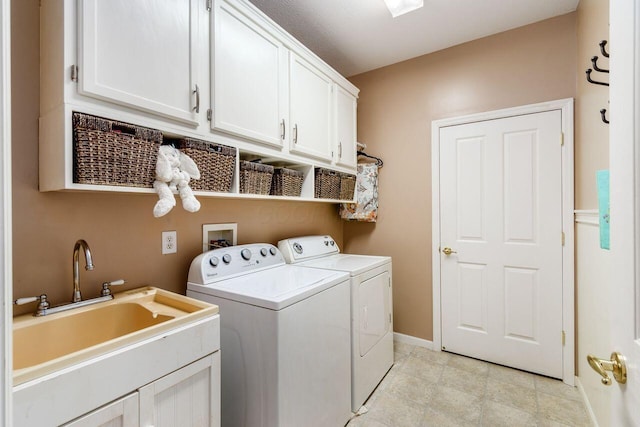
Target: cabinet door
345,128
121,413
141,53
249,77
188,397
310,94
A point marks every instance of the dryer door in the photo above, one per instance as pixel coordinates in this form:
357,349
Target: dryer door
374,309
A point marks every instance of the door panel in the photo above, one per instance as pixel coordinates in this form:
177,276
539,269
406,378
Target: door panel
148,64
501,213
249,75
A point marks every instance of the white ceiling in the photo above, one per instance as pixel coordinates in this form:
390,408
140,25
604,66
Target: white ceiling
355,36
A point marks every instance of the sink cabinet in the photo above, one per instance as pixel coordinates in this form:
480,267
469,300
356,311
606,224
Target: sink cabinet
152,382
123,412
187,397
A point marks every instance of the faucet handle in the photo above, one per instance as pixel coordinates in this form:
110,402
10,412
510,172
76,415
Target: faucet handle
43,304
106,290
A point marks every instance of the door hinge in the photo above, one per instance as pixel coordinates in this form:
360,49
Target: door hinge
564,337
389,317
209,6
563,238
209,114
561,138
74,73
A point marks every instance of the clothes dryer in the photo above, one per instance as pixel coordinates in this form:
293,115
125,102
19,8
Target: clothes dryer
284,337
371,306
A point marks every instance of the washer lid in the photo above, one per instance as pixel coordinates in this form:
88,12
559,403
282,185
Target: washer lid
274,288
354,264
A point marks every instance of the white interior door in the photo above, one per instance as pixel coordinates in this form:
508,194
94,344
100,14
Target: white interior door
624,286
501,215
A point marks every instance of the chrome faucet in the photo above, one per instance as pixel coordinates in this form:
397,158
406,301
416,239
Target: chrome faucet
76,273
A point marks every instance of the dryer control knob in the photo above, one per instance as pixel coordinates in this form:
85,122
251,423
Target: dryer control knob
333,243
246,254
214,261
297,247
326,243
273,251
226,258
263,252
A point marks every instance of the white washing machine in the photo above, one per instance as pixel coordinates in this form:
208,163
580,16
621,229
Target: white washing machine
371,306
284,337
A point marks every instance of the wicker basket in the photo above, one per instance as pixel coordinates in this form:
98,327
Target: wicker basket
216,164
255,178
286,182
347,186
107,152
327,184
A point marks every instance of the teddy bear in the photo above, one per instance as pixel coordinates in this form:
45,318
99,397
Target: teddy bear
174,169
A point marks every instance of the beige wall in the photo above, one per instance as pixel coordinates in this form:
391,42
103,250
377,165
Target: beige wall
121,230
396,107
591,133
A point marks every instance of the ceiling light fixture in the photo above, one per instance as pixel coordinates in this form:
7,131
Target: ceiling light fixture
400,7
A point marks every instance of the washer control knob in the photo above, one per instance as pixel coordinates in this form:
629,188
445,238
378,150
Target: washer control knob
326,243
214,261
273,251
263,252
333,243
297,247
246,254
226,258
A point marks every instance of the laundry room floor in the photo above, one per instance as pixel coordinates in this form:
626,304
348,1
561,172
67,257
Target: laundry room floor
428,388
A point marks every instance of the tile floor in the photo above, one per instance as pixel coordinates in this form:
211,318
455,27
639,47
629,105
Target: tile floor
427,388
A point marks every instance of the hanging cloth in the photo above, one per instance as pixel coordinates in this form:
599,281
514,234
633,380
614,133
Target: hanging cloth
366,207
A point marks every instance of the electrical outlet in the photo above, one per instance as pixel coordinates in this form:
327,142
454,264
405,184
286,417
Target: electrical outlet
169,242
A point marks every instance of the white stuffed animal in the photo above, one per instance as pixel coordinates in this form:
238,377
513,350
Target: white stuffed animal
174,169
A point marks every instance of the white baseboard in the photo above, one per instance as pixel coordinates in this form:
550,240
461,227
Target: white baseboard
408,339
587,404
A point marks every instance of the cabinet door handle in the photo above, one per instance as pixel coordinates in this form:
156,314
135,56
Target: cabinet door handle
284,129
340,150
197,92
295,133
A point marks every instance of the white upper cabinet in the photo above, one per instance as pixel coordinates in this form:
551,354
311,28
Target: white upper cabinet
249,67
141,54
311,110
346,108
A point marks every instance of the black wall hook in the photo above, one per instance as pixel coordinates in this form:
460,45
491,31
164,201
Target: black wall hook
594,61
603,43
603,113
590,80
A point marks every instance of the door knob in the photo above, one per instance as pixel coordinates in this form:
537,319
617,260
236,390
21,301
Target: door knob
616,365
448,251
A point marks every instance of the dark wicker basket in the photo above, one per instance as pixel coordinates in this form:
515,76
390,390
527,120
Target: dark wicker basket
216,164
255,178
347,186
327,184
108,152
286,182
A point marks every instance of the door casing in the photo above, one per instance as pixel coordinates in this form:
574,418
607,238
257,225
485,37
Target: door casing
568,309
